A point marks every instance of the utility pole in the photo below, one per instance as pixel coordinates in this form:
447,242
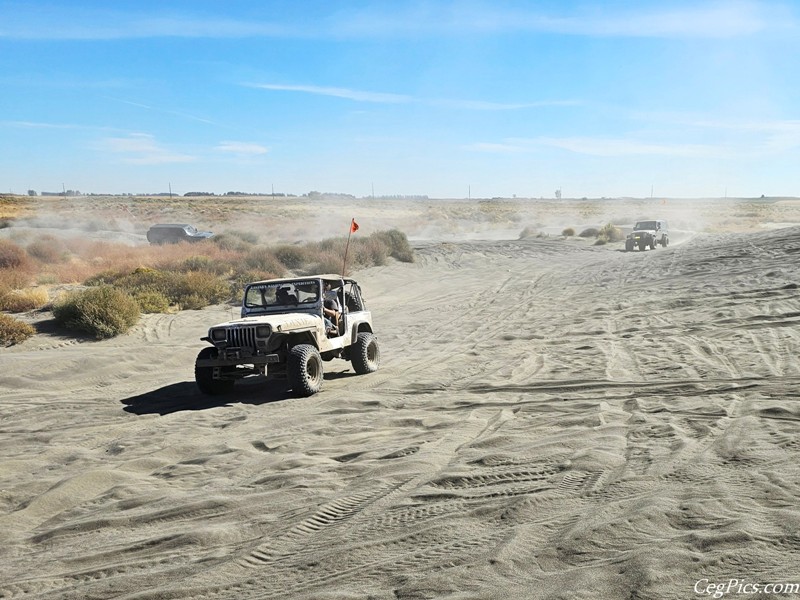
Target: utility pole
170,190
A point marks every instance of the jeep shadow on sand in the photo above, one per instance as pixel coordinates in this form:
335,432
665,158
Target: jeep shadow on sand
284,332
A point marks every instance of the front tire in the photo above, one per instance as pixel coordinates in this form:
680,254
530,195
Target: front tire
642,245
365,354
204,376
304,370
664,241
652,243
629,246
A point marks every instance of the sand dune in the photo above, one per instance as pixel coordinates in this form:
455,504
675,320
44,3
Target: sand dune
551,420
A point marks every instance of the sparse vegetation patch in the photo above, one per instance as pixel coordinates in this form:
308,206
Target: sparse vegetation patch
102,312
13,331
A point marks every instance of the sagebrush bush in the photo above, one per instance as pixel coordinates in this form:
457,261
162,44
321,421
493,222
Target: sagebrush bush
13,331
198,289
12,256
292,256
610,233
589,232
264,259
14,279
48,249
568,232
205,263
235,240
397,244
23,300
151,301
102,312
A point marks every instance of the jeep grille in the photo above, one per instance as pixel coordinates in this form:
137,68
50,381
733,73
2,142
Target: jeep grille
243,337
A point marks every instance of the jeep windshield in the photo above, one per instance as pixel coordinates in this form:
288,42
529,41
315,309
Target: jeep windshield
281,295
644,225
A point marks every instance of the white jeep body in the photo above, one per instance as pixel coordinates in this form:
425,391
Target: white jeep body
282,332
647,234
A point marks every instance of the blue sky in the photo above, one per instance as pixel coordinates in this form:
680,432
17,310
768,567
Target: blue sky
438,98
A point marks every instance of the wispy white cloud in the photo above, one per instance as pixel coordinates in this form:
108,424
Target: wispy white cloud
710,19
77,23
163,110
142,149
336,92
597,146
388,98
497,148
242,148
37,125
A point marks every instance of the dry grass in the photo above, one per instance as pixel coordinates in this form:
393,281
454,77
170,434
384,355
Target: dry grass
13,331
24,300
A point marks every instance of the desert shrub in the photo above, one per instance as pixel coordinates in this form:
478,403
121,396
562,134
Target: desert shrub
235,240
568,232
599,242
264,259
102,312
23,300
328,261
610,233
397,244
13,331
589,232
527,232
198,289
12,256
14,279
206,264
150,301
5,223
48,250
371,251
293,257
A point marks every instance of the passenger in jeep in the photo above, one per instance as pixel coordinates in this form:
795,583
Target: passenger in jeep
331,310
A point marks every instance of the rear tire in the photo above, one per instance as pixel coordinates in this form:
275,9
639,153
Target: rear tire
365,353
204,376
664,241
304,370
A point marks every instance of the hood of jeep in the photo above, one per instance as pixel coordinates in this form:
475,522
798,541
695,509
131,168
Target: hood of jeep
279,322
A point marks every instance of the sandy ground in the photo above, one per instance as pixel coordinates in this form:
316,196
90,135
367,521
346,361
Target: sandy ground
551,419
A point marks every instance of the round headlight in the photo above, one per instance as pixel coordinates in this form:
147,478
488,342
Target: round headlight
263,331
218,335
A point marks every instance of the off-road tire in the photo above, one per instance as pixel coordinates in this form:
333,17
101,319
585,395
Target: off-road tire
629,246
204,376
304,370
642,245
652,243
365,354
664,242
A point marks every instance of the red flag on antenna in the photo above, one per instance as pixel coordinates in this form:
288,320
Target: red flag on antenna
353,226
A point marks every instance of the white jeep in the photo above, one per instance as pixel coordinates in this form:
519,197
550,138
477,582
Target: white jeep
283,332
647,234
